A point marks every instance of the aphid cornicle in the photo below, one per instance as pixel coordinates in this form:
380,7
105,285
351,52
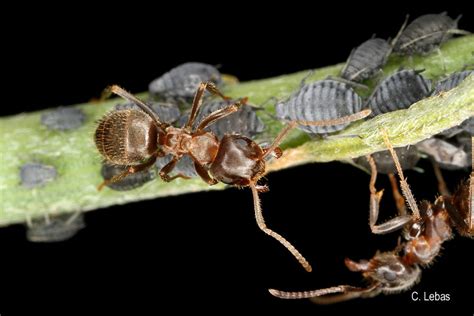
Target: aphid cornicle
180,83
424,231
425,33
398,91
136,138
54,228
366,60
318,101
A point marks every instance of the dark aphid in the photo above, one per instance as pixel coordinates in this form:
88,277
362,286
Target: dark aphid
34,174
63,119
244,122
55,228
184,166
468,126
318,101
180,83
409,157
446,154
425,34
168,112
131,182
366,60
399,91
452,81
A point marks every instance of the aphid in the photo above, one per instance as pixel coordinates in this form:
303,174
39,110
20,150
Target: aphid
425,33
409,157
244,122
55,228
319,101
399,91
168,112
447,155
63,119
366,60
34,174
425,231
131,182
135,139
452,81
180,83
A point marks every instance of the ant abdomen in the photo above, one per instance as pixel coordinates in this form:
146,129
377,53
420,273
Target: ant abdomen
126,137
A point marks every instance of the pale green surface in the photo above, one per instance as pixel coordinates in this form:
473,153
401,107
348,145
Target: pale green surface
73,153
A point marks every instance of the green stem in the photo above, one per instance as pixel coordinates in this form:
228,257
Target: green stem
77,161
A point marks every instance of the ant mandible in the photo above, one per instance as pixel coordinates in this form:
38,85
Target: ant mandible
425,231
135,139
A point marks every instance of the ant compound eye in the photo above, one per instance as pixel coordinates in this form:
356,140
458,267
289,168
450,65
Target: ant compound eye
415,230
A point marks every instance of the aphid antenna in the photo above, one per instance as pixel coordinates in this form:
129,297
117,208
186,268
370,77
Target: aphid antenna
349,82
397,37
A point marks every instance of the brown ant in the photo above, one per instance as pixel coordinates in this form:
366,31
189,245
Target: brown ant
424,231
134,139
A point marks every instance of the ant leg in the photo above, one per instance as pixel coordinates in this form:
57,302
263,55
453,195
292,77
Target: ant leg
202,172
442,187
397,196
403,183
221,113
209,86
293,124
168,168
261,224
128,171
142,105
375,197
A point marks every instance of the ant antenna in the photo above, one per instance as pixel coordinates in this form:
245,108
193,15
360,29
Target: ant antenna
261,224
308,294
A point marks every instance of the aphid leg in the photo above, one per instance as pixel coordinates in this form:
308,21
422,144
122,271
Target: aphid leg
197,101
261,224
164,172
375,197
442,187
397,196
403,183
73,217
293,124
128,171
142,105
395,40
443,62
310,294
202,172
303,81
221,113
350,82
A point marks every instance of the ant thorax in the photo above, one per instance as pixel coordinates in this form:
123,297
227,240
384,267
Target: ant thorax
202,147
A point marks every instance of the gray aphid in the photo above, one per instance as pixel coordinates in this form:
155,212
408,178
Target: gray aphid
55,228
244,122
366,60
167,112
34,174
180,83
399,91
185,165
320,100
63,118
408,157
426,33
447,155
130,182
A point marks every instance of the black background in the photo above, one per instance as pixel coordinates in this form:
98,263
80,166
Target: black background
204,251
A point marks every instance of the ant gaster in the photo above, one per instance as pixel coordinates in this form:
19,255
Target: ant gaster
135,139
424,231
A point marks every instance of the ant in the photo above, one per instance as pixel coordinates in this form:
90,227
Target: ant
135,138
425,230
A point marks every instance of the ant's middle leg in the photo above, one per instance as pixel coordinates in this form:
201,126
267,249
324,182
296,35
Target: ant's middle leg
164,172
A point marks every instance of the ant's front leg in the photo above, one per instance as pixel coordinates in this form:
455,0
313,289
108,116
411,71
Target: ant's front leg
202,172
